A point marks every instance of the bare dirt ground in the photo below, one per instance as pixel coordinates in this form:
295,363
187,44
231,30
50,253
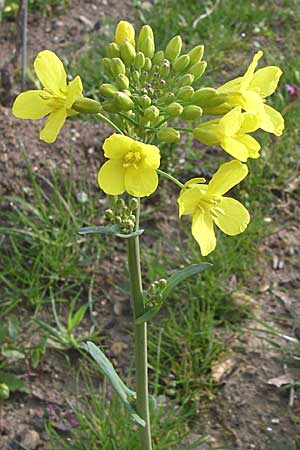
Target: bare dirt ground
253,407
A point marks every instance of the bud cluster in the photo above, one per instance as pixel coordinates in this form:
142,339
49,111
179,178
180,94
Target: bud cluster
150,88
122,215
153,294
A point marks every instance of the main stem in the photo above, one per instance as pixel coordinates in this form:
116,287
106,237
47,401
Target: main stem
140,338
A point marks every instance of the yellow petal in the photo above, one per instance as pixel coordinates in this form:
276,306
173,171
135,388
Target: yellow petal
251,145
230,86
151,156
265,80
247,78
117,145
231,122
251,122
111,177
124,31
272,121
50,71
235,218
203,232
29,105
53,124
188,200
140,182
74,90
235,148
228,175
252,102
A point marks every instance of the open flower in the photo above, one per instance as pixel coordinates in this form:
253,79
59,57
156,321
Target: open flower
131,167
250,90
55,99
230,133
208,206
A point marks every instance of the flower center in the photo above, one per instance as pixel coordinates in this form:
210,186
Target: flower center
54,100
133,157
208,203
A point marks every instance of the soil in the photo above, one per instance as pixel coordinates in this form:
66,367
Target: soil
254,406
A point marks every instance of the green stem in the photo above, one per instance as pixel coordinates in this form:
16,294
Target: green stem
170,177
110,122
140,337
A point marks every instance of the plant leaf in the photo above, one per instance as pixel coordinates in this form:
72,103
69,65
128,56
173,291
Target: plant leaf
107,369
112,230
172,282
13,382
75,319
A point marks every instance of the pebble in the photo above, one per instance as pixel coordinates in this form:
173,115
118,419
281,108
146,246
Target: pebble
31,440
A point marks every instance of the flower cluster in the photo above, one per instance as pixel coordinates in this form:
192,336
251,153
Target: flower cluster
151,94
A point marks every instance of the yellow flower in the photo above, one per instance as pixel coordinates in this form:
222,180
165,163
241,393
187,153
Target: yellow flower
250,90
230,133
208,206
124,32
55,99
131,167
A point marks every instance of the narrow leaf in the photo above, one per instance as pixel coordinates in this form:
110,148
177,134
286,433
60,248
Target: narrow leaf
112,230
107,369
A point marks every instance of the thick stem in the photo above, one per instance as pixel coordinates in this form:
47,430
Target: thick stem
140,337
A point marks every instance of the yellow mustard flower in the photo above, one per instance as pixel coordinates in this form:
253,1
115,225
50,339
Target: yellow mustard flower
55,99
131,167
250,90
230,133
124,32
208,206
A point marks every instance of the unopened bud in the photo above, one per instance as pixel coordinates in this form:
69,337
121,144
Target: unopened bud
173,48
108,90
185,92
174,109
165,69
168,135
122,81
117,66
127,53
181,63
151,113
158,57
191,112
139,61
113,50
136,76
152,289
118,220
133,203
4,391
162,283
86,105
145,101
198,69
196,54
145,32
109,214
106,62
110,106
186,80
124,101
124,32
148,47
217,110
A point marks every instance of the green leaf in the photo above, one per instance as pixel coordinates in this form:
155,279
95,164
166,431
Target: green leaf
13,382
125,394
112,230
74,320
172,282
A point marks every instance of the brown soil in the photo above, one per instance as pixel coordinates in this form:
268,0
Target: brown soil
248,410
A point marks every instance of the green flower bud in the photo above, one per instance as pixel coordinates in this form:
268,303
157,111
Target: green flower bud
196,54
136,76
217,110
162,283
168,135
168,98
173,48
181,63
128,53
208,97
118,220
121,203
4,391
191,112
148,64
133,204
113,50
146,32
185,92
139,61
151,113
106,62
123,101
186,80
109,214
110,106
108,90
145,101
148,47
198,69
117,66
165,69
122,81
174,109
158,57
86,105
152,289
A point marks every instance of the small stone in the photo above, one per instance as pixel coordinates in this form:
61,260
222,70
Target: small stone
275,421
31,440
82,197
